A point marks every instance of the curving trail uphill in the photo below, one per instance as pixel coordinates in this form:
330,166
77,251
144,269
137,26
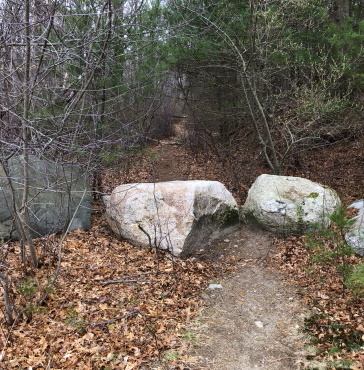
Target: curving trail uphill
254,320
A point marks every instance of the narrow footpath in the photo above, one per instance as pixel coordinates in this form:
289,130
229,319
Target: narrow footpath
254,320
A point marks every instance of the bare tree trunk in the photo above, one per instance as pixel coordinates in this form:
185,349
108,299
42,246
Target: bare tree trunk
340,9
8,305
26,136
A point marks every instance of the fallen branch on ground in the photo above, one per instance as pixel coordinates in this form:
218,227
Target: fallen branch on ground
116,281
132,313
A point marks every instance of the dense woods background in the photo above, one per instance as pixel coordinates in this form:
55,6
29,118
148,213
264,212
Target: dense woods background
90,82
86,81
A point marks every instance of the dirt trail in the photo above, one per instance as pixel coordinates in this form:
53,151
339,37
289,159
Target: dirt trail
254,320
170,157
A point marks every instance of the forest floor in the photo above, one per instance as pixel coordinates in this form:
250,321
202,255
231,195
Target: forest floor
253,321
115,306
256,320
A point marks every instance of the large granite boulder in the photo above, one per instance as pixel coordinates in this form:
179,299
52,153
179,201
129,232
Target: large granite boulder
178,216
56,191
355,235
289,205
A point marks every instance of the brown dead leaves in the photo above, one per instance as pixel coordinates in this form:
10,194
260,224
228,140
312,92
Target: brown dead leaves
336,323
113,305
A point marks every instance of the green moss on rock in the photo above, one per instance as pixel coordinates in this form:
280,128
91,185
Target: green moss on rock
229,217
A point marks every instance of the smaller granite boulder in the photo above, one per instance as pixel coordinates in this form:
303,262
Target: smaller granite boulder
290,205
355,235
179,216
